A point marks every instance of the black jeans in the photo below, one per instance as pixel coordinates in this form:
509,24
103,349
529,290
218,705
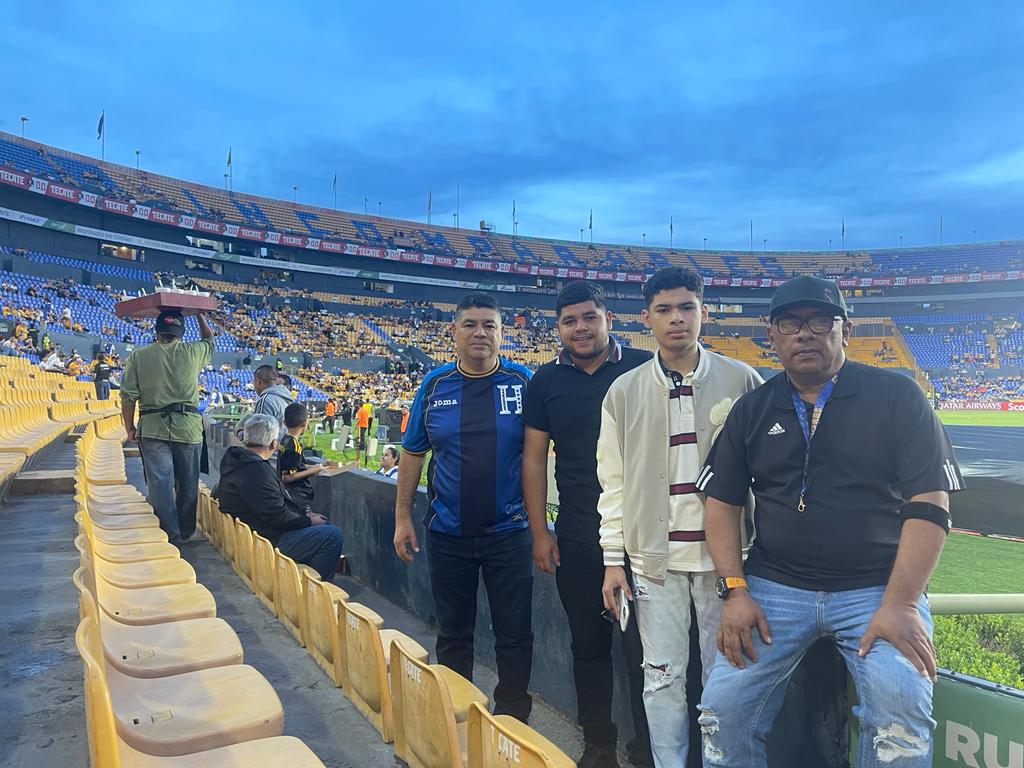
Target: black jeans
506,559
579,579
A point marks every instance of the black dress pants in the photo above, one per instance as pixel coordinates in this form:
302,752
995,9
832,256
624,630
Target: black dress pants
579,579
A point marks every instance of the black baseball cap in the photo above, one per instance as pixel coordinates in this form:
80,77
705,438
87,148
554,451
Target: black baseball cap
808,291
170,321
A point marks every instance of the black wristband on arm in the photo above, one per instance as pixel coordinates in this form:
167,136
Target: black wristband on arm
922,510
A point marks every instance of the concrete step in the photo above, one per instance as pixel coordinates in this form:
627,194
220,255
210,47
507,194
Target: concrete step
50,481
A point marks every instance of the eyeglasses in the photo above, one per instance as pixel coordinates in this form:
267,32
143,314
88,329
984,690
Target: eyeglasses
819,324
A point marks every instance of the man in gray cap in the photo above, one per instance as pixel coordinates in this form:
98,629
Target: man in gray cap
851,473
162,380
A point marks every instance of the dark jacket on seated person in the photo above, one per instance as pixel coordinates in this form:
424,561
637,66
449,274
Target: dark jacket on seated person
251,490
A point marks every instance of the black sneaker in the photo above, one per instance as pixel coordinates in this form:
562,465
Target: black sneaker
640,756
598,756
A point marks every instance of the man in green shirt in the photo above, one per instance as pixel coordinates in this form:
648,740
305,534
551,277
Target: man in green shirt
162,380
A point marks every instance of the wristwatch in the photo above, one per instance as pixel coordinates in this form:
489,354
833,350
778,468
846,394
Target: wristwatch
726,585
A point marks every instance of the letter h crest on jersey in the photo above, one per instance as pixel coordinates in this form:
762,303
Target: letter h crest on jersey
507,400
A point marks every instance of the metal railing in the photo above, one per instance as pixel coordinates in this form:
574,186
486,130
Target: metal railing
947,605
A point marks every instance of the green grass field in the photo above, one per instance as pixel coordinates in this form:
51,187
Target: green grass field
979,564
989,647
983,418
323,444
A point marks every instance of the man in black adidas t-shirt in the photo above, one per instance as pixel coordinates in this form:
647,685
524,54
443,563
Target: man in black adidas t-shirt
851,473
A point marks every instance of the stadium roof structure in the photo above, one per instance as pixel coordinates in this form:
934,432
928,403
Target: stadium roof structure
223,213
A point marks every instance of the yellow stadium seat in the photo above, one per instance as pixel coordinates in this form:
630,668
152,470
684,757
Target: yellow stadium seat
264,571
243,552
184,713
501,741
123,522
289,596
109,750
322,601
366,655
159,650
431,709
134,553
150,573
124,536
228,538
203,511
110,494
114,509
213,514
105,473
154,605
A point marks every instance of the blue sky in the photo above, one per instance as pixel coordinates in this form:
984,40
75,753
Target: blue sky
797,116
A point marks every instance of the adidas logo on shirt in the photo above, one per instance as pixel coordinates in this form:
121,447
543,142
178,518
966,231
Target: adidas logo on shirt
777,430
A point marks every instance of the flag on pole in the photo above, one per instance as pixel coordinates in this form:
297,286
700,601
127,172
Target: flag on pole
513,210
334,184
99,126
670,225
844,228
590,226
229,157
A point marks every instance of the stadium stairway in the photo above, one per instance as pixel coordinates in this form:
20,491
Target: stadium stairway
42,693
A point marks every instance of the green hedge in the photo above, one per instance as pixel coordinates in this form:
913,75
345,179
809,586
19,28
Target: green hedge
989,647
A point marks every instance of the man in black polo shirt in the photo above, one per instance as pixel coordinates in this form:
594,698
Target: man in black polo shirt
563,403
851,472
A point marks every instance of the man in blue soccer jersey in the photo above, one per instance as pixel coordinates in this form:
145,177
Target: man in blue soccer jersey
470,415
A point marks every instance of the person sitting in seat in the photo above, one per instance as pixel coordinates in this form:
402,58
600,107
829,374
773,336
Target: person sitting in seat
295,472
251,490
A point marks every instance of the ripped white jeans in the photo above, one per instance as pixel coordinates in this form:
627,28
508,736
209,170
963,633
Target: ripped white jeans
663,617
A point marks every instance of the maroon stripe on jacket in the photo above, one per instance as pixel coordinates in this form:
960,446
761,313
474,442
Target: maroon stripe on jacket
684,438
686,535
684,390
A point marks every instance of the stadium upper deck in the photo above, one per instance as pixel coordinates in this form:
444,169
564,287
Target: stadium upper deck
222,213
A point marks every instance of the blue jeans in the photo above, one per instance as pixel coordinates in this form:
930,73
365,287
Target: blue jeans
102,390
318,546
172,484
506,559
740,705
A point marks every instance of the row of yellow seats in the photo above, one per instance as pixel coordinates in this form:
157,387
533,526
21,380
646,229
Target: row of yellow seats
20,392
435,717
26,429
164,680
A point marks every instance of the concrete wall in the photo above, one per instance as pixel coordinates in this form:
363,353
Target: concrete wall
810,731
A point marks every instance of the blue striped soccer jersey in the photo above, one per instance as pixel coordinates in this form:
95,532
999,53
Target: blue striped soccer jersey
473,425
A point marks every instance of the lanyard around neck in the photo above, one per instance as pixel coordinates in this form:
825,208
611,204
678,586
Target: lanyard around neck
808,427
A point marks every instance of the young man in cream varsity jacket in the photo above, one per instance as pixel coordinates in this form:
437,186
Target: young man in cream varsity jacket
658,423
